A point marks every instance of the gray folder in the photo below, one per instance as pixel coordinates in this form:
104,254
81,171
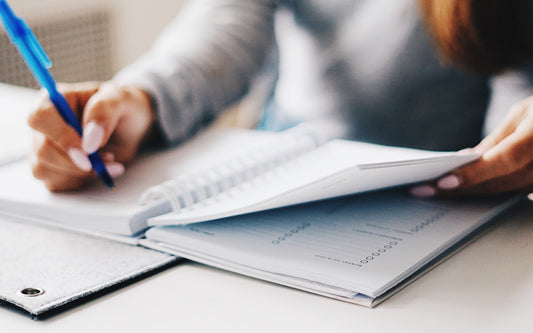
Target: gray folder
45,270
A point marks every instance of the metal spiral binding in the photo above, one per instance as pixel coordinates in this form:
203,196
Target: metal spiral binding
199,187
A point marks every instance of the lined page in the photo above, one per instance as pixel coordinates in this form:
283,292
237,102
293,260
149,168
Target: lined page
364,243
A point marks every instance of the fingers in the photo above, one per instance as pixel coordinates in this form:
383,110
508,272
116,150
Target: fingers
58,157
510,154
50,164
47,153
46,120
514,117
115,120
506,163
519,181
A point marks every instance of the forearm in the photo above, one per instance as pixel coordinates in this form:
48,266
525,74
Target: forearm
203,62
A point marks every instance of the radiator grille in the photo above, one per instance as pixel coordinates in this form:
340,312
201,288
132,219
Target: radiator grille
79,47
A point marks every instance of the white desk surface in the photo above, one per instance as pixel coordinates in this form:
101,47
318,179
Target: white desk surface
486,287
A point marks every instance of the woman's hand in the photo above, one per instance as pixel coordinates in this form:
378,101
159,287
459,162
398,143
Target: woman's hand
115,120
506,163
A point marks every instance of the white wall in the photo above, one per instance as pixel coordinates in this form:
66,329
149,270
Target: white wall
135,22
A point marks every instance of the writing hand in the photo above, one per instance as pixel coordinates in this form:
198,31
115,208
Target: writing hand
506,163
115,121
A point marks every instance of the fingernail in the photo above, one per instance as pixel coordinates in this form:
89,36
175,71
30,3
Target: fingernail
423,191
115,169
80,159
449,182
93,135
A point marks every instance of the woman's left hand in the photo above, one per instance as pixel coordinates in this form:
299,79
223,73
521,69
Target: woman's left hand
505,165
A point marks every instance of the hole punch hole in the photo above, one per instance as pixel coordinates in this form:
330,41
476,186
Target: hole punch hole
31,292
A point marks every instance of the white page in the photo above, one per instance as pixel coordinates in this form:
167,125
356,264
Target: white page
365,243
336,168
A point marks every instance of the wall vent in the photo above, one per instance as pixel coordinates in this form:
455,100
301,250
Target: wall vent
78,45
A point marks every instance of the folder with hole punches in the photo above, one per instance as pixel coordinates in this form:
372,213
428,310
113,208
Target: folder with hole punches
46,270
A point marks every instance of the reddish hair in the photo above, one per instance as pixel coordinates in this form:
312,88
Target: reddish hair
482,35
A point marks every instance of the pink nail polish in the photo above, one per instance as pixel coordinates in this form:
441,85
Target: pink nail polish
115,169
93,135
423,191
449,182
108,156
80,159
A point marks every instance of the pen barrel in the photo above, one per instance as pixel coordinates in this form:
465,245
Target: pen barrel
100,169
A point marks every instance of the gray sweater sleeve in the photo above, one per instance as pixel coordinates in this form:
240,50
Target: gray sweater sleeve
203,62
511,86
507,89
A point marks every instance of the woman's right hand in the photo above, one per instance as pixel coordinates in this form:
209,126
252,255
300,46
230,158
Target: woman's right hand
115,120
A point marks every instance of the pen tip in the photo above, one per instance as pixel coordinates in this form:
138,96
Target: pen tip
106,178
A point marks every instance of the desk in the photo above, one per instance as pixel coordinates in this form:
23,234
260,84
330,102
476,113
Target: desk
486,287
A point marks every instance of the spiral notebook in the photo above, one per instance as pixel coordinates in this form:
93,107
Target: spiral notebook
218,174
355,248
359,248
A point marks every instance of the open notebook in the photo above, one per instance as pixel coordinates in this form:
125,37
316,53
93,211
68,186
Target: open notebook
223,173
358,248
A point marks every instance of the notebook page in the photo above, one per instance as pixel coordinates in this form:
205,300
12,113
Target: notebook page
365,243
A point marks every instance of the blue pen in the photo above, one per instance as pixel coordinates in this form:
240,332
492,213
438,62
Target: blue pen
38,62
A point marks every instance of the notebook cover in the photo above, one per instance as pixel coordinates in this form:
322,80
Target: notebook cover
44,270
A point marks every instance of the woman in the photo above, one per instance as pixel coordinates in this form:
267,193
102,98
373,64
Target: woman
364,69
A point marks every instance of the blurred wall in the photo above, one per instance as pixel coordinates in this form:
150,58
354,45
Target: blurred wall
133,24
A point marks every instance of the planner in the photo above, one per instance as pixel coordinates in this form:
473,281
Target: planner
359,249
